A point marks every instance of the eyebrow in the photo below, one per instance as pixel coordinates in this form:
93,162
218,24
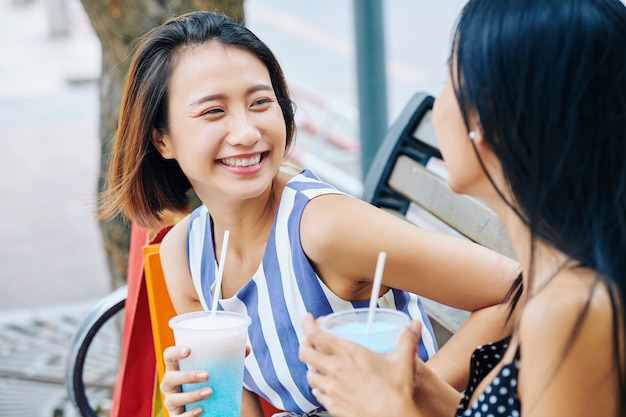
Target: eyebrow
213,97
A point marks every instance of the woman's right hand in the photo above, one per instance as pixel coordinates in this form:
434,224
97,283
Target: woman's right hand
350,380
174,399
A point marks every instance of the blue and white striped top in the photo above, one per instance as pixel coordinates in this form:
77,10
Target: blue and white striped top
279,294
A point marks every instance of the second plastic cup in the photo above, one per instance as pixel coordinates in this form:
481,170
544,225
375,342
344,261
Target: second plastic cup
351,325
218,346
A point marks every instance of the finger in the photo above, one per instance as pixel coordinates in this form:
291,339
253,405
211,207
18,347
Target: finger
327,401
316,380
312,357
194,412
407,345
321,340
174,403
173,354
308,324
172,380
318,393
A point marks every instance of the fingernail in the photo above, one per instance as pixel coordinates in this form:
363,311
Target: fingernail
196,411
205,392
202,376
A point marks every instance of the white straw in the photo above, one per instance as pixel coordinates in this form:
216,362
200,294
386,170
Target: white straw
220,272
378,277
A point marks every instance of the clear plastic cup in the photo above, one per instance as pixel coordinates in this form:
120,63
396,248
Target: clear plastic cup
351,325
218,346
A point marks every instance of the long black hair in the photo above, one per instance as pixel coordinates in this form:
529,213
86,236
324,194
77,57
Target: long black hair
547,80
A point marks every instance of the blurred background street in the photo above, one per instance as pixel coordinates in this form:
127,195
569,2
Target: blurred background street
50,249
52,265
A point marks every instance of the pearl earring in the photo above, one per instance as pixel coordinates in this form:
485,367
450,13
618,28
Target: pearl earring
472,135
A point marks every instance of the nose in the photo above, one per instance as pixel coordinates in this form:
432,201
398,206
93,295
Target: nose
243,130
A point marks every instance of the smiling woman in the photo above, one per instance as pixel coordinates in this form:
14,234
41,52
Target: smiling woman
226,129
206,106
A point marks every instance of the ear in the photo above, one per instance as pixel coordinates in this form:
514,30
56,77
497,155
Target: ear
483,149
163,144
476,131
477,136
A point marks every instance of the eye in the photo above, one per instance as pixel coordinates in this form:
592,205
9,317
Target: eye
262,103
213,112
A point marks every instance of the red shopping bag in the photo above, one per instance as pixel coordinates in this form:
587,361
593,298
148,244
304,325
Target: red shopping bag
134,390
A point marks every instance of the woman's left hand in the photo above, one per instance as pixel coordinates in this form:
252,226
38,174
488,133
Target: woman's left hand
350,380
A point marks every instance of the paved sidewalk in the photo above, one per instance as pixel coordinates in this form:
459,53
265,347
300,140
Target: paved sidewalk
33,349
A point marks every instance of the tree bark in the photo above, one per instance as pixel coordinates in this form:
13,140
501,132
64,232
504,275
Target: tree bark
118,23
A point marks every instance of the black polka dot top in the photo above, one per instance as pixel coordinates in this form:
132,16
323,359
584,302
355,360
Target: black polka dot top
500,397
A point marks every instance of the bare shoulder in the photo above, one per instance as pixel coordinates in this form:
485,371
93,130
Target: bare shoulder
566,339
174,240
332,210
341,236
572,296
175,265
332,221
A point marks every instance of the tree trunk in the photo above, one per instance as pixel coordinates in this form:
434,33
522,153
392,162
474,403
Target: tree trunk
118,23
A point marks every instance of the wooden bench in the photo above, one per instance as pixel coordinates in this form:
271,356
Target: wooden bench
408,178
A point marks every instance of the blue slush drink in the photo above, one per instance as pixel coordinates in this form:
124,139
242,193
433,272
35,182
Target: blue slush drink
383,335
218,346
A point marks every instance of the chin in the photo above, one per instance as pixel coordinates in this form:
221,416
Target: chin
455,186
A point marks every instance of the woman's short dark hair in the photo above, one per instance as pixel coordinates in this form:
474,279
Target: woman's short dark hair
547,80
140,183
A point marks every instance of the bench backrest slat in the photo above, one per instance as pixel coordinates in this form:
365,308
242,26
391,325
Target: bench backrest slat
408,178
408,171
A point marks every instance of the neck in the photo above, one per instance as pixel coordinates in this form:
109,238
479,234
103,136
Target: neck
539,263
249,221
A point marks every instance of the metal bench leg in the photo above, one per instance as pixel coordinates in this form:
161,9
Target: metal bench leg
96,318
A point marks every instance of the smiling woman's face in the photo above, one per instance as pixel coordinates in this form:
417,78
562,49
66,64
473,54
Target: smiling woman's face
226,128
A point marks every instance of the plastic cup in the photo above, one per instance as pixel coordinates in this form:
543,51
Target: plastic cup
218,346
383,334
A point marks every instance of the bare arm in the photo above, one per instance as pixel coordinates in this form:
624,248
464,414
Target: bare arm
342,236
452,361
176,269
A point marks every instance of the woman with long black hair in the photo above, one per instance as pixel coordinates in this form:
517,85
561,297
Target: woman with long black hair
532,120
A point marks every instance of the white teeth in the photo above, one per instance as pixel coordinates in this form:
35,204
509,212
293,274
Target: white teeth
245,162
